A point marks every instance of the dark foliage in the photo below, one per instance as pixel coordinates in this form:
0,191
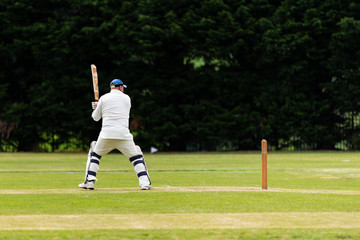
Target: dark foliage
202,75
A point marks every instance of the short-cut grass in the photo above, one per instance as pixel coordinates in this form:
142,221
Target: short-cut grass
311,195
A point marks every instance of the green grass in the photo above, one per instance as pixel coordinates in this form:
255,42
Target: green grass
189,234
277,234
304,171
176,202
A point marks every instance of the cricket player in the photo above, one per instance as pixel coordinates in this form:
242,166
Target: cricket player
114,109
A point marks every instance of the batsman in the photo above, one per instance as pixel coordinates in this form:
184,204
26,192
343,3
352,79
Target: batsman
114,110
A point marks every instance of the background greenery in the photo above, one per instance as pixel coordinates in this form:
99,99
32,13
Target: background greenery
203,75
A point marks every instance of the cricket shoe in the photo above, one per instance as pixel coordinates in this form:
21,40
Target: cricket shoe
146,187
87,185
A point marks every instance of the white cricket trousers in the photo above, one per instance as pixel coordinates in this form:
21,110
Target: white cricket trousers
126,147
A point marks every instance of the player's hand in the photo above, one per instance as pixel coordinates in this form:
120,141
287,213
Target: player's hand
94,105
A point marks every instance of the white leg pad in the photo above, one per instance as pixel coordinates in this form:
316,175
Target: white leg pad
93,167
144,180
88,164
139,168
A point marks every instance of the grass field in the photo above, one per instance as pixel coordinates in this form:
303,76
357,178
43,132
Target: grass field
311,195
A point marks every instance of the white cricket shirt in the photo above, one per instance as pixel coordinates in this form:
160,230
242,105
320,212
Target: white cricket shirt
114,109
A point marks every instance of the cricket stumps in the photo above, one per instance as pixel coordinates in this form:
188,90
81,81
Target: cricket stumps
264,163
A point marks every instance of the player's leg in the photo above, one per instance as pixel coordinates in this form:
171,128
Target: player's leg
93,169
136,157
144,180
102,147
92,146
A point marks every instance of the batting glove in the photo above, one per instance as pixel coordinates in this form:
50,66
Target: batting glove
94,105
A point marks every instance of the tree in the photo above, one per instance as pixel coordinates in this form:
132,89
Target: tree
344,67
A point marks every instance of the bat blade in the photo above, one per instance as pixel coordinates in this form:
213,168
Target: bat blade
95,82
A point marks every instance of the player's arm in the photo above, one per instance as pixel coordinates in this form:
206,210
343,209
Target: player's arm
96,114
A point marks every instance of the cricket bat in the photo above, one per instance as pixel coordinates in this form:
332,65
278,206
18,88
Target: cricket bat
95,82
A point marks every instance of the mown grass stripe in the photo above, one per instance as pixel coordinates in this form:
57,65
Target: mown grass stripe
288,220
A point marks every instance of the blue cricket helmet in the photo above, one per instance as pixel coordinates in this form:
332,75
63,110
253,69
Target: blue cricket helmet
117,82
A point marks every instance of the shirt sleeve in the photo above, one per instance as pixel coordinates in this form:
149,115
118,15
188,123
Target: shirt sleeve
96,114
